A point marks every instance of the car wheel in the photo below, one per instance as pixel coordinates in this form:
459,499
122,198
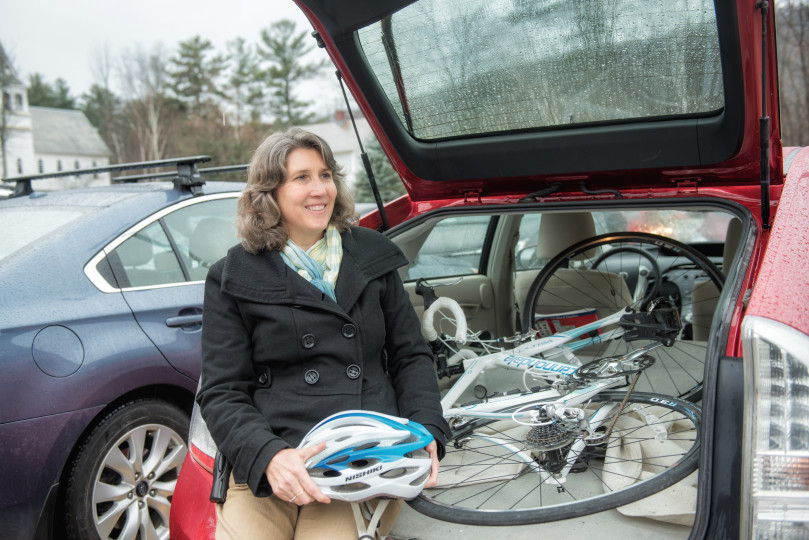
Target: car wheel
122,481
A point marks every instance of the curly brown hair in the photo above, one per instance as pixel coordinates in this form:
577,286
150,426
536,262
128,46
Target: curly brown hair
258,218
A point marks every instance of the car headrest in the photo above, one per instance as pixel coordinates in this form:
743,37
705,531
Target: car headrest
558,231
211,240
136,251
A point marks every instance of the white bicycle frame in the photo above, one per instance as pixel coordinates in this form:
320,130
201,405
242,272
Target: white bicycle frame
524,357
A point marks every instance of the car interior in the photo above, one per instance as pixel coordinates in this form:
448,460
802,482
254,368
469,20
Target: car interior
490,261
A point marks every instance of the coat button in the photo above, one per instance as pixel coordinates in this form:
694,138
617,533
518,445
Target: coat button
308,341
349,331
263,378
353,371
311,376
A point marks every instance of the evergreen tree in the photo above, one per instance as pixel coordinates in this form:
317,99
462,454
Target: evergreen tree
244,88
194,74
388,181
104,109
43,94
284,49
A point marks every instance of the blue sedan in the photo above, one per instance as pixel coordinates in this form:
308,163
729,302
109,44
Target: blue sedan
101,293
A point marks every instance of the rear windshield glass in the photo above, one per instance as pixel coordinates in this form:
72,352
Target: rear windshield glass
23,226
453,68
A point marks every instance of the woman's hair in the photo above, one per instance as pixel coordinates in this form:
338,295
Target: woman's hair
258,218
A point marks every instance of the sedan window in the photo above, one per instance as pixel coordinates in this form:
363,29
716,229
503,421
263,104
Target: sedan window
203,233
147,259
178,247
23,226
454,247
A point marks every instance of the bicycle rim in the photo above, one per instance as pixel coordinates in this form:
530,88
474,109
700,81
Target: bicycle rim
491,475
571,283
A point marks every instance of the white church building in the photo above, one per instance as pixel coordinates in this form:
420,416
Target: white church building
46,140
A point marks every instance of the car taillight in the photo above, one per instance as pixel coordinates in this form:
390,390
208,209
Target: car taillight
200,437
775,498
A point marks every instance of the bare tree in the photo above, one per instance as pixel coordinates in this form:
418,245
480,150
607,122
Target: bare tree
102,107
147,107
793,70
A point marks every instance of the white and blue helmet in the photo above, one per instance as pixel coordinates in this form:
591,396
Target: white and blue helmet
369,455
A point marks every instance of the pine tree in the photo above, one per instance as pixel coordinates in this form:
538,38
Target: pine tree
104,109
283,48
388,181
43,94
194,74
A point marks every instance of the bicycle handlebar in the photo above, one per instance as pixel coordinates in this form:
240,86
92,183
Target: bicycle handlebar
428,328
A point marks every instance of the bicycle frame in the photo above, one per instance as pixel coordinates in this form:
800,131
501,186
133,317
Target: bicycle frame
523,357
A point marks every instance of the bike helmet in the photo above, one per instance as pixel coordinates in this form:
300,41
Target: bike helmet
369,455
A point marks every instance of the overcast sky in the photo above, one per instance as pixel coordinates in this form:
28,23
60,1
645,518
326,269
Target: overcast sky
60,38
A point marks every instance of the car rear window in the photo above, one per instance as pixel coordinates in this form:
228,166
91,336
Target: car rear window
453,68
22,227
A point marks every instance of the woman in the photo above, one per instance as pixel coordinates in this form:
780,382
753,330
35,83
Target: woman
305,318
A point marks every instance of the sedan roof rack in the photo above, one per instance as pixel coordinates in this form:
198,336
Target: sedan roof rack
187,175
164,175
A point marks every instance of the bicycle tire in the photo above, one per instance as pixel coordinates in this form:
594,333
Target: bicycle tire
679,370
477,502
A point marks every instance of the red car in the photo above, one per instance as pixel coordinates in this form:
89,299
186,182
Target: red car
531,135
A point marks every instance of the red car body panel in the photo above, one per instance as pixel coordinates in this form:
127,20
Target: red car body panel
776,295
193,515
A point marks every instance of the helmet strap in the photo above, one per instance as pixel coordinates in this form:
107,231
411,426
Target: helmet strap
368,531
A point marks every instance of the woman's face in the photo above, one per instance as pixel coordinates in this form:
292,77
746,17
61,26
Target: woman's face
306,198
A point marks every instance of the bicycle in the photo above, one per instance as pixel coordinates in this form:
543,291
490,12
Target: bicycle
603,274
566,443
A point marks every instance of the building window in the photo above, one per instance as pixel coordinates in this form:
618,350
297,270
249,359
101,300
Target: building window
41,166
95,175
76,164
18,100
58,164
19,166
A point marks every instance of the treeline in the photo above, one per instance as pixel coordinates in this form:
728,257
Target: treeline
195,100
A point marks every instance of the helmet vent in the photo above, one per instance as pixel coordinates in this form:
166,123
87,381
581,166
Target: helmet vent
351,488
323,473
394,473
363,463
366,446
336,460
421,480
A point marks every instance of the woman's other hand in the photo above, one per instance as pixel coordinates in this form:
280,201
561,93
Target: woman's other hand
432,448
289,479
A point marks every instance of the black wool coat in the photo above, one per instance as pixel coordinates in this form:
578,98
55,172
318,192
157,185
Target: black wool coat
278,355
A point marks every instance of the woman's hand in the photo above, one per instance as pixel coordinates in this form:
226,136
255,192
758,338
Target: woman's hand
432,448
289,479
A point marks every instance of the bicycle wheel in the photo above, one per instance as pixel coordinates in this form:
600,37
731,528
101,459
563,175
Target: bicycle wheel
606,273
505,473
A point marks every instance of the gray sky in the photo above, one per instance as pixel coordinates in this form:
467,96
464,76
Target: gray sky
60,38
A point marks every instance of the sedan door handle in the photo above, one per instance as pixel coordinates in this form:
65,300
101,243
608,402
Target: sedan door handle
184,320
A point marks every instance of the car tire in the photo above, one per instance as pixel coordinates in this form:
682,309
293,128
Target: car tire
122,481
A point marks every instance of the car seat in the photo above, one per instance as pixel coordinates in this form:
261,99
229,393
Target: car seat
705,296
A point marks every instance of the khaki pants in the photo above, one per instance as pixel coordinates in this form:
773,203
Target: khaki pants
244,516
